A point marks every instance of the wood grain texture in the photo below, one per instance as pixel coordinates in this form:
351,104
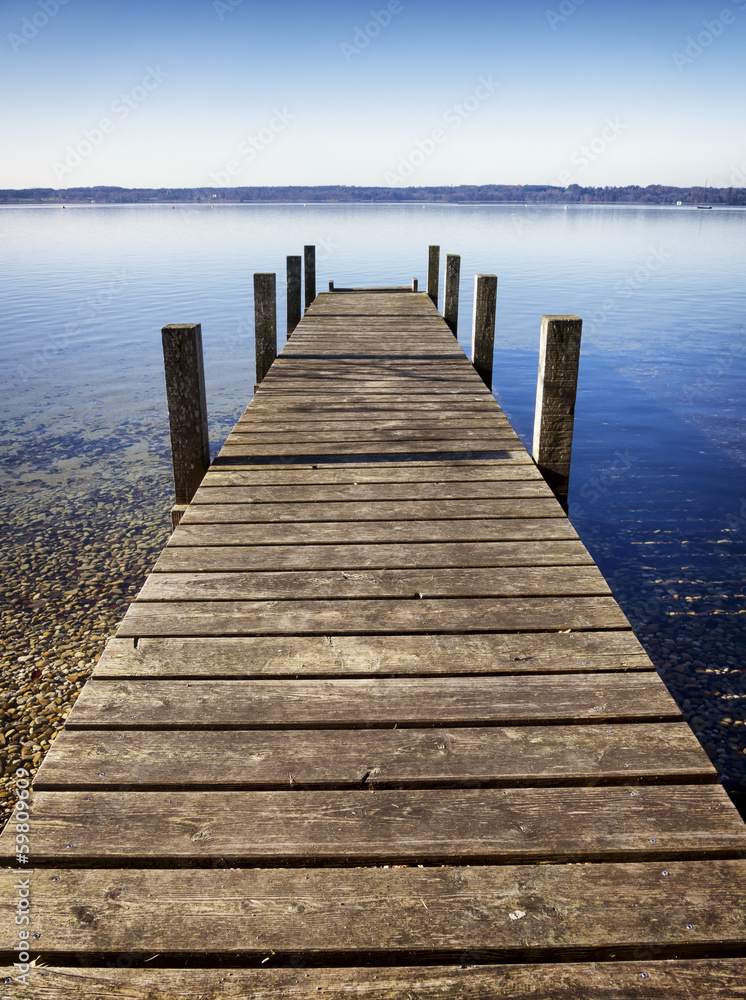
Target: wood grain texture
414,826
348,403
567,911
376,532
442,555
383,510
716,979
362,434
512,581
359,703
447,447
357,493
374,655
314,477
401,758
385,616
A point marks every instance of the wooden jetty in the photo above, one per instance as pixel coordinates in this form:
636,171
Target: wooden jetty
375,727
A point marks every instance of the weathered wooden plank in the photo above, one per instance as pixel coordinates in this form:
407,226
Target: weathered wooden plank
329,532
509,581
715,979
327,617
362,493
432,826
519,912
370,304
335,385
399,343
251,422
374,656
361,371
376,364
522,486
371,451
362,434
444,388
229,558
402,758
358,475
260,704
404,510
320,421
264,400
346,469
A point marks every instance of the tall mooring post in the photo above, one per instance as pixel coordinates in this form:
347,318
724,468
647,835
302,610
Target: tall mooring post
483,329
309,263
453,277
433,273
187,411
294,311
265,322
556,391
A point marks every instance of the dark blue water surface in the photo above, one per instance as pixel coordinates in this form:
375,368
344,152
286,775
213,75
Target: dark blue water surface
658,488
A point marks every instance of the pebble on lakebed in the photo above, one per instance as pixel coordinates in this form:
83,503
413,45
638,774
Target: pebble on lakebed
71,564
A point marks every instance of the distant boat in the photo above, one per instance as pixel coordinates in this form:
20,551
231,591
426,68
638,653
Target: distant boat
705,207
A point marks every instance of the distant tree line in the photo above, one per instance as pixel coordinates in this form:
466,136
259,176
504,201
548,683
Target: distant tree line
653,194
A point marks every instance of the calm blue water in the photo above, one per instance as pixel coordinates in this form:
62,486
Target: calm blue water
658,486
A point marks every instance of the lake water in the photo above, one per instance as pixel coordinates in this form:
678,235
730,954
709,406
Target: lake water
658,489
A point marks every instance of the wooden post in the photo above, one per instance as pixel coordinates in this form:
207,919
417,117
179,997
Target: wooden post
309,258
433,273
453,275
483,330
555,400
187,411
265,323
331,286
415,284
294,293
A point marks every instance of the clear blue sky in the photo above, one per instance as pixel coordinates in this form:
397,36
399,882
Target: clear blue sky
198,93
